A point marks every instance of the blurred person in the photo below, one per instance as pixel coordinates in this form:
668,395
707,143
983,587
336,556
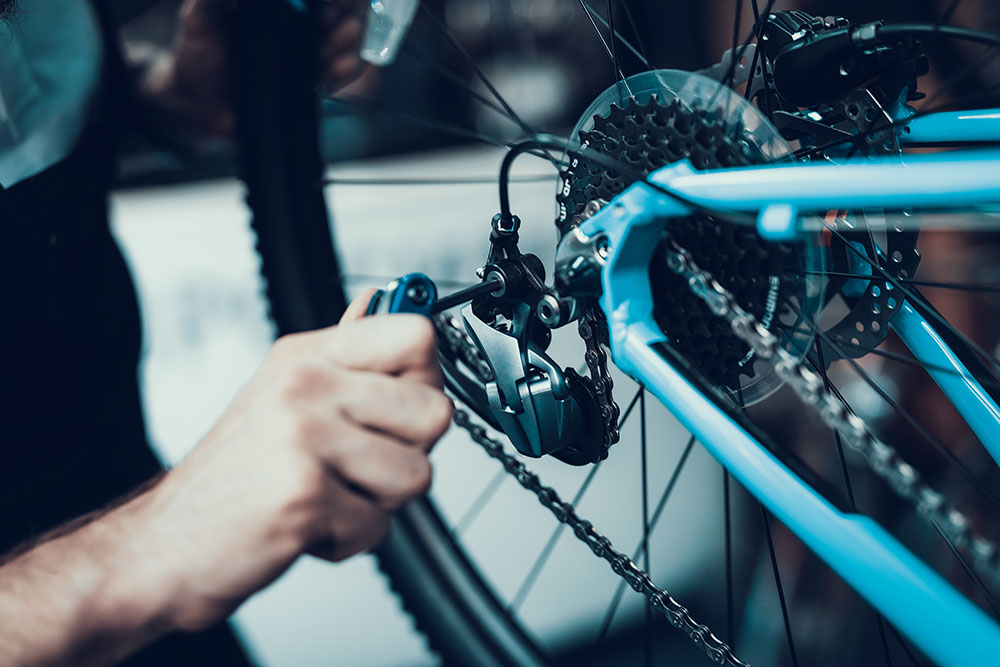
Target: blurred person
278,473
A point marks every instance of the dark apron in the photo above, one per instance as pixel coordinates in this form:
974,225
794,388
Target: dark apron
72,437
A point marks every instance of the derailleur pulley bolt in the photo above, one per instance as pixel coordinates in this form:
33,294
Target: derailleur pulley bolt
548,310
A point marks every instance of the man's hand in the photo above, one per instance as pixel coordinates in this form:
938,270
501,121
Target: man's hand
314,454
189,84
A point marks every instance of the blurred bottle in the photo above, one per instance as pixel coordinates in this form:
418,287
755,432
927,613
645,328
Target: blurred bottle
388,22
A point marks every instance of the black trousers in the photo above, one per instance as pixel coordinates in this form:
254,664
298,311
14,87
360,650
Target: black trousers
72,437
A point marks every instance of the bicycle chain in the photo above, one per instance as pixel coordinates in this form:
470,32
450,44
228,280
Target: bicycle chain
884,461
601,546
590,329
638,579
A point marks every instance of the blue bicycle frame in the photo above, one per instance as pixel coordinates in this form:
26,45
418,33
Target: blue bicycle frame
911,595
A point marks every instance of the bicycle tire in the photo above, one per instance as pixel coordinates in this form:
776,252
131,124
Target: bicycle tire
276,107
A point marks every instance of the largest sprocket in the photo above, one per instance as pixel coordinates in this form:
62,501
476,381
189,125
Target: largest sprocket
664,125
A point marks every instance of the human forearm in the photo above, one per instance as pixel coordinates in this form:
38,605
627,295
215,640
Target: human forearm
83,598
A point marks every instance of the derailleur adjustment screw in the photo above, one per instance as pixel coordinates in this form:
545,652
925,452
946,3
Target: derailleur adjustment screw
505,225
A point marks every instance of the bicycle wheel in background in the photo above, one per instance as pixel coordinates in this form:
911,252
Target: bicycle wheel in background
274,85
457,606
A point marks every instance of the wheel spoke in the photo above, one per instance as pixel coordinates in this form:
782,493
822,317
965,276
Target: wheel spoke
755,62
962,286
976,97
968,570
614,53
820,366
648,634
443,29
529,580
643,54
609,614
906,648
737,19
963,470
451,180
730,624
595,16
459,81
904,359
737,55
848,488
372,106
628,410
618,73
480,502
778,586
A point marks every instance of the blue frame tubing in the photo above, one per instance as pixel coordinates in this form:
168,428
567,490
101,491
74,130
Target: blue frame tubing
973,402
952,127
910,594
968,179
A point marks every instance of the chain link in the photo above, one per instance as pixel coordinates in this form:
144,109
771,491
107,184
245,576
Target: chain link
600,381
885,461
637,578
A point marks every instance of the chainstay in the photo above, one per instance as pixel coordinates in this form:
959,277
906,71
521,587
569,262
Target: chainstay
640,581
881,458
